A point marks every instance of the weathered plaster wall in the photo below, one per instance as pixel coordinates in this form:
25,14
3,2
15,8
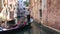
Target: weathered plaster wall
52,15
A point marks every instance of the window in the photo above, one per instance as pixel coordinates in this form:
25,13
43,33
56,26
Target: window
10,5
14,8
23,8
18,4
40,12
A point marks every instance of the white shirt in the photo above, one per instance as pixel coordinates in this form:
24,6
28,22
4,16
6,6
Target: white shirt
31,20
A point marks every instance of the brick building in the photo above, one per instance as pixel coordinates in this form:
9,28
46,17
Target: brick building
47,12
1,4
34,7
51,15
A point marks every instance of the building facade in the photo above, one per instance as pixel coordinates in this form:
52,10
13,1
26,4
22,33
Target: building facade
9,11
21,7
47,12
21,3
34,8
51,14
2,4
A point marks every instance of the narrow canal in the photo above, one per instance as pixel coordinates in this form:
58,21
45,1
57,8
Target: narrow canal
32,30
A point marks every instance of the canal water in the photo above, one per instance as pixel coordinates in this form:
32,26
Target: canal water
32,30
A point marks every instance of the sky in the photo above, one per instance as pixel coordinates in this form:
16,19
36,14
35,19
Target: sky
24,0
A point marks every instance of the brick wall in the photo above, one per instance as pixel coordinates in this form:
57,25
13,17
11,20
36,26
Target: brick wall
51,17
34,7
51,13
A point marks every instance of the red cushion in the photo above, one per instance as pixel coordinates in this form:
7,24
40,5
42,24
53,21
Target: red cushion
19,22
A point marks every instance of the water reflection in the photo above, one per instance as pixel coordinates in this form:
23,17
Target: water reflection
33,30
